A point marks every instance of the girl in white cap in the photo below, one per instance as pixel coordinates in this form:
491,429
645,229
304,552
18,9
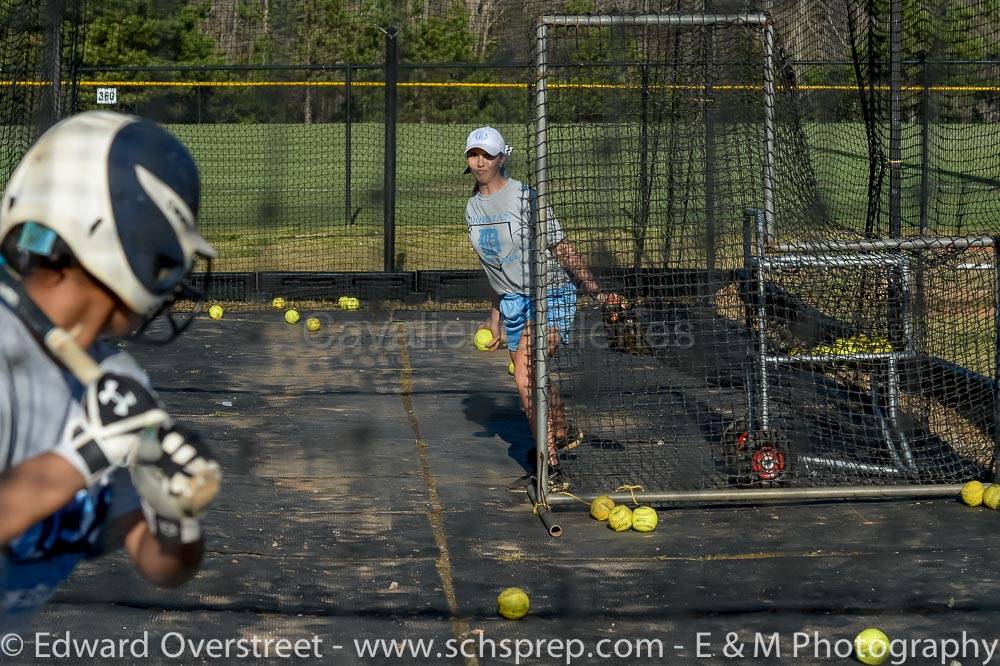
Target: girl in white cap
501,214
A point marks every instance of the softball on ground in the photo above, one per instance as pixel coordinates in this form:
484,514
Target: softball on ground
991,496
620,518
292,316
644,519
601,507
972,493
312,324
871,646
513,603
279,303
348,303
215,312
483,339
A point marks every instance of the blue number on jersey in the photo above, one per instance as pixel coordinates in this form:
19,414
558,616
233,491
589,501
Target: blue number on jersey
489,243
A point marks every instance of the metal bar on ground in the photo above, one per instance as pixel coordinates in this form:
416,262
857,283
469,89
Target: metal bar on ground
548,520
751,495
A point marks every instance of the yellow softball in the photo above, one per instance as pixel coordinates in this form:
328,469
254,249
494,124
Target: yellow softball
644,519
601,507
513,603
972,493
620,518
991,496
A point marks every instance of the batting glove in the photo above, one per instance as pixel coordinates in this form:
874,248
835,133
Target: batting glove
118,411
176,477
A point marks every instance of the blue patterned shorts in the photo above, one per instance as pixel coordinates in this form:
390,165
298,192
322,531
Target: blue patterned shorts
516,310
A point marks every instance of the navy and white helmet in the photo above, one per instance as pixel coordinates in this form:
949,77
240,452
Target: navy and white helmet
122,193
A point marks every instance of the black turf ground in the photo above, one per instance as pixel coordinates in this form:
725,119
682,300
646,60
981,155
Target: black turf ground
365,498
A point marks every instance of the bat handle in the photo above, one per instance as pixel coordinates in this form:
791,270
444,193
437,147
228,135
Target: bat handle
68,351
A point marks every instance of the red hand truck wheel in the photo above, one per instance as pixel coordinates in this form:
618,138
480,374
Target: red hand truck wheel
767,462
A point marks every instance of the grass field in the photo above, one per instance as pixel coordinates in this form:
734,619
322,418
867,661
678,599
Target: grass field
274,195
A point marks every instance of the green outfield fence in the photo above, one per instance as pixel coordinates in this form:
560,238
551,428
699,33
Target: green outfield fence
325,178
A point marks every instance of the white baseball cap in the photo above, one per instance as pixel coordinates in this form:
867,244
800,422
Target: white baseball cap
488,139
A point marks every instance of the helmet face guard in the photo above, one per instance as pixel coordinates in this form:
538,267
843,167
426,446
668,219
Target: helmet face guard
167,317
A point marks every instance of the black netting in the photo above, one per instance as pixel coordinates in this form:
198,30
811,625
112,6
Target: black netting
39,47
886,127
287,183
807,305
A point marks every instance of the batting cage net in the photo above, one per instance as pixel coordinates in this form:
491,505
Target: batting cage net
791,321
39,47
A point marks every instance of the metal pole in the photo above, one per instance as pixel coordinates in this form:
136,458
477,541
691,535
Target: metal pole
750,216
761,325
538,277
53,55
895,124
996,361
641,220
749,224
389,197
753,495
542,510
710,158
768,135
919,296
894,405
750,18
925,107
927,243
895,313
347,148
76,47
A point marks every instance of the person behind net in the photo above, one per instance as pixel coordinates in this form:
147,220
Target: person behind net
501,214
97,233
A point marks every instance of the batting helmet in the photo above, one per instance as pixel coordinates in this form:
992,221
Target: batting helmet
122,194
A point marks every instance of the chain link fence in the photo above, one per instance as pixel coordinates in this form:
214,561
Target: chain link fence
356,168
